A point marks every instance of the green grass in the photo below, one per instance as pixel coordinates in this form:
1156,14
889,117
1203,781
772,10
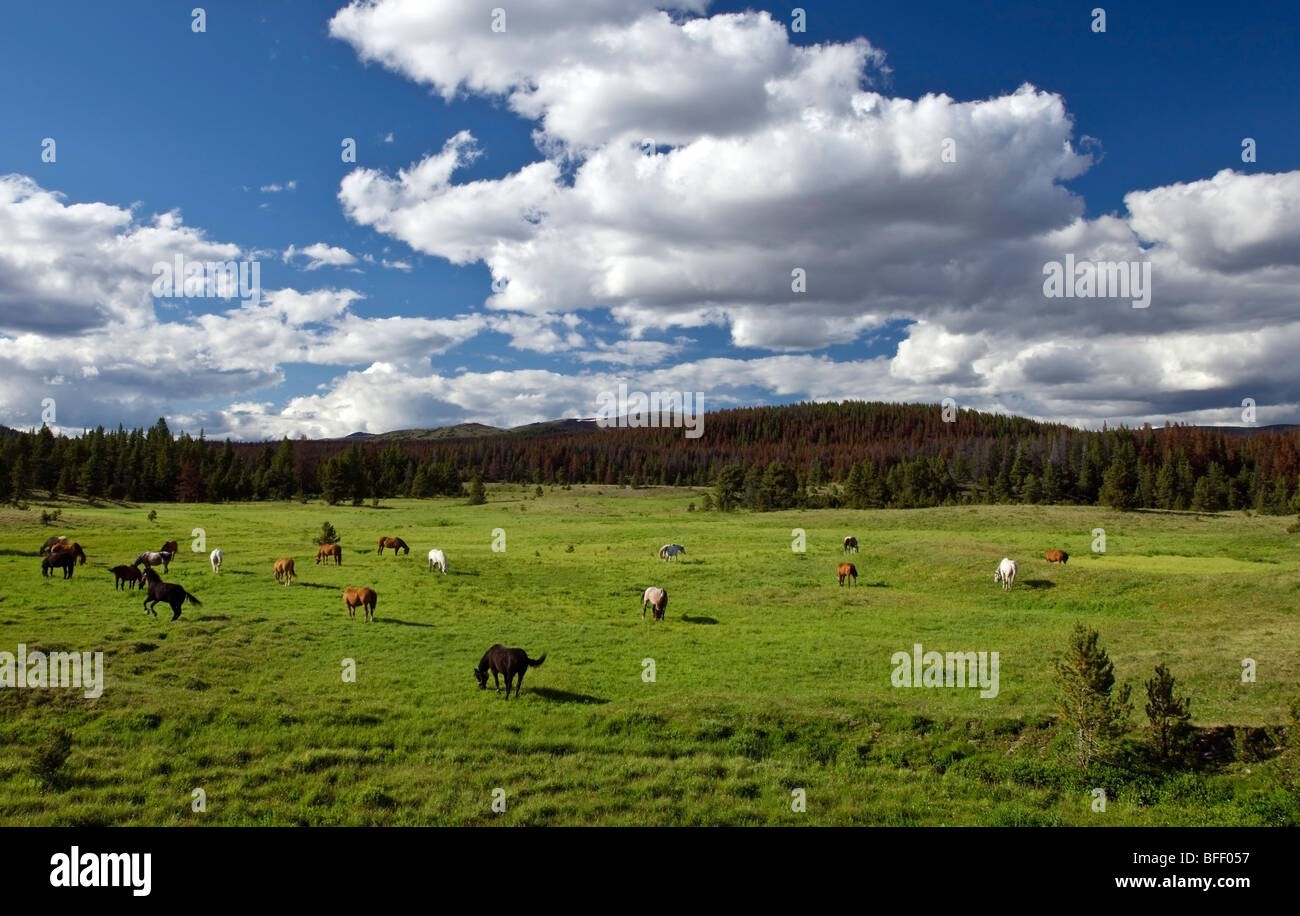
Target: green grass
770,677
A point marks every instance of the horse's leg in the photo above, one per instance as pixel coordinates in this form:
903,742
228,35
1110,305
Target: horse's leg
520,683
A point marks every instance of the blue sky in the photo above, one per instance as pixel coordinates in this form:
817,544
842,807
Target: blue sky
236,133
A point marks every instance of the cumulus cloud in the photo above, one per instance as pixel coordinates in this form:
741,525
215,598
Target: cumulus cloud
320,255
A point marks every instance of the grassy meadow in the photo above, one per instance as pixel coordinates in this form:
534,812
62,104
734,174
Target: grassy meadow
768,676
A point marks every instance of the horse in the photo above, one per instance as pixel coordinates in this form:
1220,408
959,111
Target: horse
154,558
330,550
848,571
131,575
1057,556
49,544
216,558
171,547
850,544
398,545
439,559
656,598
65,558
1006,573
167,593
671,551
284,570
360,596
510,662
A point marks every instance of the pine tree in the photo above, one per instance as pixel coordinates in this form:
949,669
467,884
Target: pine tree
1119,484
1090,708
327,535
477,492
1051,484
1170,715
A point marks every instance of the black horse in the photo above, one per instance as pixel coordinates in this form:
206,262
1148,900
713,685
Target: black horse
64,559
510,662
166,592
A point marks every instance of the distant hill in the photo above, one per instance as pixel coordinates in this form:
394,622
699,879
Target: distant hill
459,431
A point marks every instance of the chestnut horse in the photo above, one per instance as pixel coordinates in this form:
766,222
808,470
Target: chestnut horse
366,597
848,571
330,550
1057,556
510,662
64,557
398,545
50,544
284,570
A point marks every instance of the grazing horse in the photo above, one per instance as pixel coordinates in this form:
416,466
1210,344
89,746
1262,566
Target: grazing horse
1006,573
366,597
154,558
330,550
848,571
398,545
131,575
656,598
439,559
171,547
216,558
670,551
166,592
65,558
50,544
510,662
1057,556
850,544
284,570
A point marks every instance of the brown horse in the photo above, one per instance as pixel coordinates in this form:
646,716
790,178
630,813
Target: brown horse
330,550
284,570
49,544
131,575
510,662
850,544
365,597
398,545
1057,556
167,592
848,571
171,548
64,557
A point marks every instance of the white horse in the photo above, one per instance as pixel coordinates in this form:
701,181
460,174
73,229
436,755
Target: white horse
670,551
439,559
656,598
1006,573
215,558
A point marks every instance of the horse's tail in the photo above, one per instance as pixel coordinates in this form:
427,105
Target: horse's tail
534,662
193,600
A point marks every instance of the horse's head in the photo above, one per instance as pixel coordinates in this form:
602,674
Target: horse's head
481,677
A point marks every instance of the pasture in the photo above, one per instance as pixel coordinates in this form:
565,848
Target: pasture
768,675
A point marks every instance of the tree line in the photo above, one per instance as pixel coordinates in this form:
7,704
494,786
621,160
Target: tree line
852,454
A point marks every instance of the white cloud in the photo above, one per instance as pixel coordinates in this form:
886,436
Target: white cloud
320,255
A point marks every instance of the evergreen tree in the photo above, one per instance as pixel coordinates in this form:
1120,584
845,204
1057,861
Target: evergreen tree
1094,713
477,492
1170,715
1119,484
